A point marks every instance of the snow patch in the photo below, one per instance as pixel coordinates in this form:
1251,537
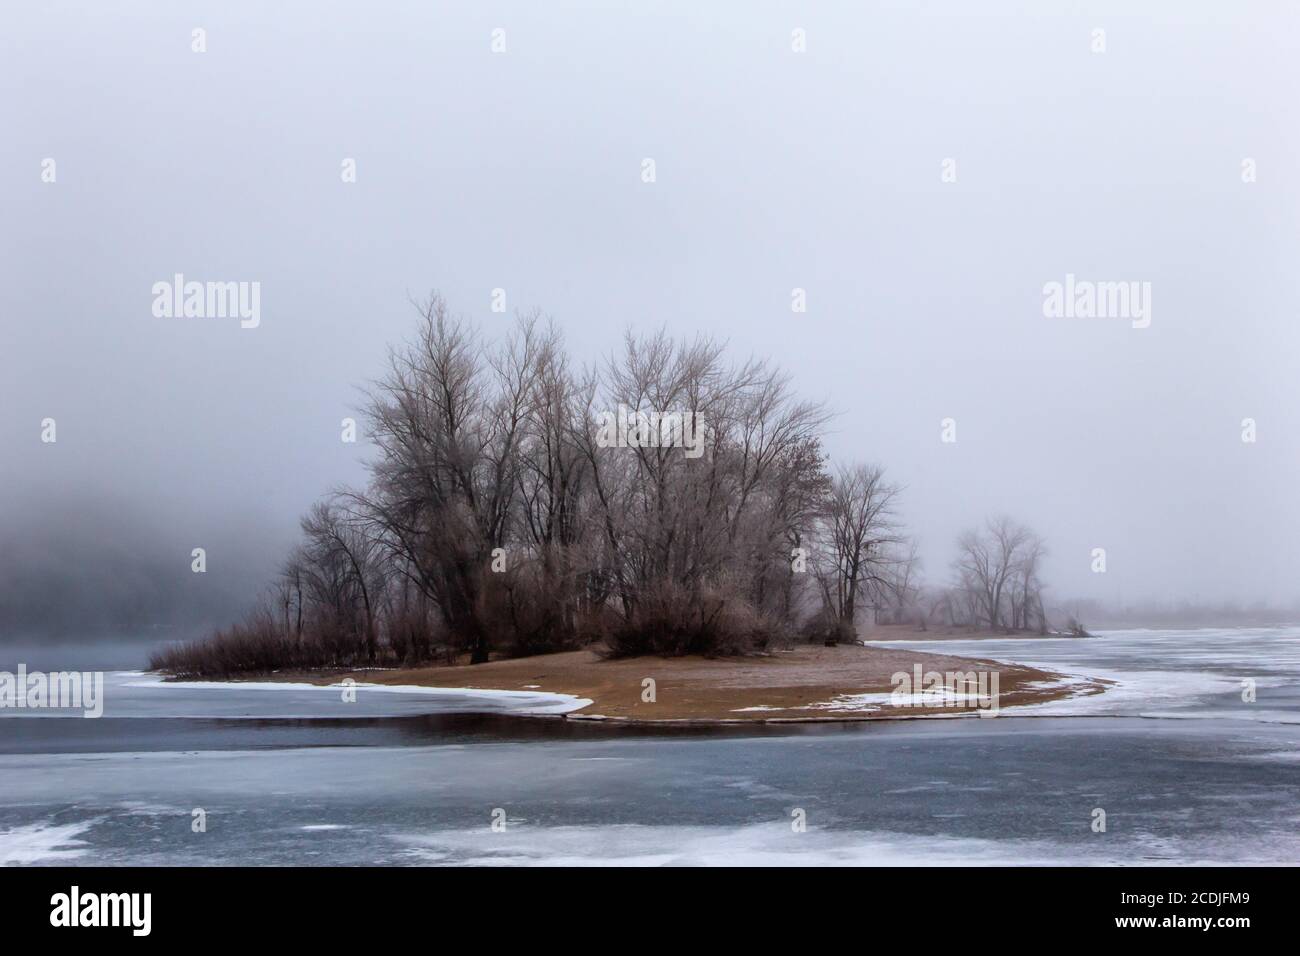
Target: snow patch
519,701
43,842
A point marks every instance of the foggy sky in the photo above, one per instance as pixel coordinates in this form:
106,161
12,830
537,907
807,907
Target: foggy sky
775,170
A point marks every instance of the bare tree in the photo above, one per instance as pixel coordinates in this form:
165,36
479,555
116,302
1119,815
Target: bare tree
449,418
342,559
859,535
1027,589
902,582
720,518
992,562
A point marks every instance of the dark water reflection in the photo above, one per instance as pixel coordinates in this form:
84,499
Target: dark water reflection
144,734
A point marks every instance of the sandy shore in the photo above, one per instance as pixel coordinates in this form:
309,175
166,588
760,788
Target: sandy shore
808,682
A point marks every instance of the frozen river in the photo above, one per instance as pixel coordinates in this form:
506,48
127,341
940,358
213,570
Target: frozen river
1184,769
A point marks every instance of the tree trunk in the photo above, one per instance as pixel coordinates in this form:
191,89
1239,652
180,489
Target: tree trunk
479,651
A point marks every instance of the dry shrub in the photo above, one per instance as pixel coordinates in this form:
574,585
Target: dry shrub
827,628
670,619
254,646
260,645
529,611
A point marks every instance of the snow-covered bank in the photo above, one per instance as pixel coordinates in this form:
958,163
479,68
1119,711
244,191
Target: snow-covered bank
1240,674
512,701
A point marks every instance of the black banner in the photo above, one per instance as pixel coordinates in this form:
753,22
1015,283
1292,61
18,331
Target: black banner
333,905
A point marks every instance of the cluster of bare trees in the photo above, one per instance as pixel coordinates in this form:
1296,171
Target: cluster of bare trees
511,510
997,580
665,501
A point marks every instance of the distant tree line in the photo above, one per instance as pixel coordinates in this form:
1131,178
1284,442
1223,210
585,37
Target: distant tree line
666,501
